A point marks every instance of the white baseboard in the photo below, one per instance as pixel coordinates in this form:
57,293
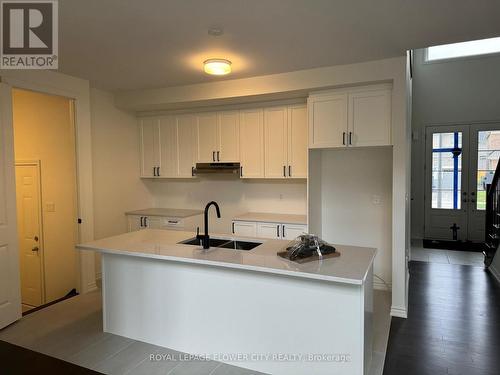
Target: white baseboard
494,272
379,285
399,312
98,275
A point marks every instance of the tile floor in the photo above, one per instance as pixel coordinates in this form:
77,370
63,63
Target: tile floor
464,258
72,331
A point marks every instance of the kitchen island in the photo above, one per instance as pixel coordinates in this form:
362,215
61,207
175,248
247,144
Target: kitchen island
249,308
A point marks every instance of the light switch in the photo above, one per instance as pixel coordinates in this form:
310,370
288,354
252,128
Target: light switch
50,207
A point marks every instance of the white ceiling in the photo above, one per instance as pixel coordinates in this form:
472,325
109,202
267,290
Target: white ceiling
134,44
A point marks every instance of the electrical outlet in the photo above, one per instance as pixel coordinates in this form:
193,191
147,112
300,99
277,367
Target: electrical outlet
50,207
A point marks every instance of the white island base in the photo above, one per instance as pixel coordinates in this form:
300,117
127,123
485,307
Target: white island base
264,321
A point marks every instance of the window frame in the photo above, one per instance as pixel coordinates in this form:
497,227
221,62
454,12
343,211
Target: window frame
458,58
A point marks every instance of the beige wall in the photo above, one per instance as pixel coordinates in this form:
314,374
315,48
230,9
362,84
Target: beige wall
235,196
44,130
115,159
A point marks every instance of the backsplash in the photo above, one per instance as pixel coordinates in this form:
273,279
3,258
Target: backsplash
234,196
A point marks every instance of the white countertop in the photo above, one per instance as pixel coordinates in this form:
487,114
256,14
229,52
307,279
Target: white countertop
350,267
166,212
272,218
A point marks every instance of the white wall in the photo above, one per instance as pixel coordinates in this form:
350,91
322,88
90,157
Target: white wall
115,164
495,266
446,93
356,201
234,196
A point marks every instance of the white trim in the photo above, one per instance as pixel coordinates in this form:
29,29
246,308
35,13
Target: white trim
79,90
494,272
399,312
379,285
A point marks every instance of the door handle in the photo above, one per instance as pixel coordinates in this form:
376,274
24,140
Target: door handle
35,248
218,152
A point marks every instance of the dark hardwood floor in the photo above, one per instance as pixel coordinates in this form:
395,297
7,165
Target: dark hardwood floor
17,360
453,324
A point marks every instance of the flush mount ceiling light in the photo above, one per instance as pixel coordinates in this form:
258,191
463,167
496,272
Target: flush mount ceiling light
218,67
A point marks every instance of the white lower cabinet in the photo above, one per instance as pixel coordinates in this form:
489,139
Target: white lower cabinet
276,231
138,222
245,228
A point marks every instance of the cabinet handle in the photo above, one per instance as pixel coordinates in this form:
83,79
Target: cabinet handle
233,227
343,138
283,231
141,222
192,171
154,171
350,138
218,152
213,155
289,171
158,171
284,171
241,171
145,221
278,231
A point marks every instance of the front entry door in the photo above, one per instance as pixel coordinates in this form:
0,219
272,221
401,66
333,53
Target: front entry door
446,176
29,232
460,161
10,294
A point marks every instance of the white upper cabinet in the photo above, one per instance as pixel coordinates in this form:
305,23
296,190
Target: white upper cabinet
252,143
275,139
150,146
297,141
208,147
327,120
355,117
168,148
228,136
186,143
370,118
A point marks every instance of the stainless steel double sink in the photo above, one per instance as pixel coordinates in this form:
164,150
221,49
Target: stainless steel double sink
224,243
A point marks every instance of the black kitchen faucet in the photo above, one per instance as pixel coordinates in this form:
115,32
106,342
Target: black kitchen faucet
205,238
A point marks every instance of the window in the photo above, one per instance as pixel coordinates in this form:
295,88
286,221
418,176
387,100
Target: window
488,152
446,170
464,49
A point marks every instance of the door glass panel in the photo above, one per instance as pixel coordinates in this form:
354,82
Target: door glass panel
446,170
488,152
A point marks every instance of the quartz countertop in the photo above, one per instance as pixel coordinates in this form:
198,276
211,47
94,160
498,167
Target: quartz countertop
272,218
166,212
351,267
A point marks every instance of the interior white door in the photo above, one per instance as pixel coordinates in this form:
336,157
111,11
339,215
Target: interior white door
327,120
446,194
150,146
484,155
297,141
229,136
186,143
168,147
10,291
206,124
29,234
252,143
275,140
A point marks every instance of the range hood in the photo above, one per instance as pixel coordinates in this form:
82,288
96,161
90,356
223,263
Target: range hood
210,168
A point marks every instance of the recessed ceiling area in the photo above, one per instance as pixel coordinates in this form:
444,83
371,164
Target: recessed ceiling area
132,44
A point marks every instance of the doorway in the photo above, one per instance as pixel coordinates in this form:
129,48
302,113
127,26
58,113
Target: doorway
46,201
460,162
